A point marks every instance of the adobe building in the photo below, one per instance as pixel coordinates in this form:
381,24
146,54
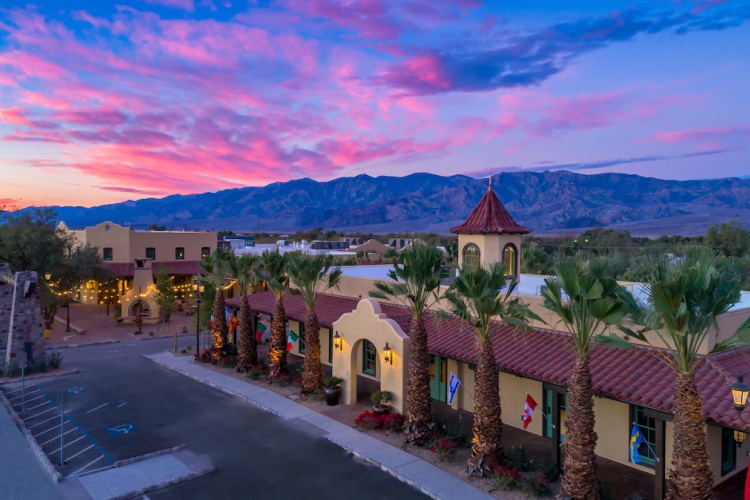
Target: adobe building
134,257
366,342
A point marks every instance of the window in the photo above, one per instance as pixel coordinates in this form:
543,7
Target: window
330,346
369,358
471,255
509,259
302,338
151,253
647,425
107,253
205,252
179,253
728,451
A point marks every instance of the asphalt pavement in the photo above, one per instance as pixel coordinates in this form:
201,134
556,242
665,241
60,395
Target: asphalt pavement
129,406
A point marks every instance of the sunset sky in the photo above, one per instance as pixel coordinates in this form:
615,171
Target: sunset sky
104,101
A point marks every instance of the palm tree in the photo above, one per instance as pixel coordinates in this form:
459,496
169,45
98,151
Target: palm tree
477,296
312,276
215,269
415,284
684,300
588,302
272,270
245,270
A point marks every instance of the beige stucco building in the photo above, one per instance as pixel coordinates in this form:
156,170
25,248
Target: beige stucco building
632,387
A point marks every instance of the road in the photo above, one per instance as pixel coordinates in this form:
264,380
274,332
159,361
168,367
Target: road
257,455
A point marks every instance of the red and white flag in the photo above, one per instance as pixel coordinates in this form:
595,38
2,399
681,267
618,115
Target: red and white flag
528,411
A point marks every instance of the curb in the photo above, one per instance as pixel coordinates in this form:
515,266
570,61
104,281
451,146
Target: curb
36,376
39,454
84,344
139,337
153,454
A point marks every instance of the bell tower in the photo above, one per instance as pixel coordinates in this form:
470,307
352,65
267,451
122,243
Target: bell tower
490,235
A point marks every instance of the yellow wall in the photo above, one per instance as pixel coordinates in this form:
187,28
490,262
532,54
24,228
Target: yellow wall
323,335
491,247
513,390
465,396
367,322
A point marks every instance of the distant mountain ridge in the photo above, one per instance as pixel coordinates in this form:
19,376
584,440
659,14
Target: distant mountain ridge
556,201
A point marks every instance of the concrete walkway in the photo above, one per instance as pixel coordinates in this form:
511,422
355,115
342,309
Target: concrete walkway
407,468
21,476
137,478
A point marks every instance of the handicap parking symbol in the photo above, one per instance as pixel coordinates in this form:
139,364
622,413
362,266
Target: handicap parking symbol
122,429
75,390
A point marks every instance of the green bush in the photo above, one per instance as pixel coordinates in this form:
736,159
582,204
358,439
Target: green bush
505,478
40,365
517,457
333,382
54,360
536,485
543,467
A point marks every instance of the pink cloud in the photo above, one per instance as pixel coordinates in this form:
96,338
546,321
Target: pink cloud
91,117
707,138
188,5
18,116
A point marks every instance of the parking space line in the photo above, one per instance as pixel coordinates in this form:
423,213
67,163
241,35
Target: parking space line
92,440
27,401
38,406
14,390
84,450
42,413
66,445
123,404
53,428
19,397
100,406
45,421
57,437
87,466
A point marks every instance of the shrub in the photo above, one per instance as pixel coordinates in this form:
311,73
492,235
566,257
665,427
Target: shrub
333,382
392,422
137,332
367,421
151,333
634,496
257,372
505,478
543,467
443,449
204,357
39,365
183,351
381,398
517,457
536,485
54,360
184,329
11,368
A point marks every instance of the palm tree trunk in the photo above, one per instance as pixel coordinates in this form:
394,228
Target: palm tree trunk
690,477
579,468
312,375
248,352
488,423
277,351
220,329
418,425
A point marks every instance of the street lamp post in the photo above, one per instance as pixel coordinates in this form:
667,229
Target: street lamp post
199,290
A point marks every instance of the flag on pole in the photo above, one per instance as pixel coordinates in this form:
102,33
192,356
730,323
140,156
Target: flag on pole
259,330
211,322
453,384
290,340
227,316
636,438
528,410
233,322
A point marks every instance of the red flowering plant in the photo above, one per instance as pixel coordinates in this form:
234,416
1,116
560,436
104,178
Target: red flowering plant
367,421
443,449
389,422
505,478
536,485
392,422
204,357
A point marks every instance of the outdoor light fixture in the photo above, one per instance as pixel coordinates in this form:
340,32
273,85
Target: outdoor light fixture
739,438
388,354
338,341
48,276
740,391
195,287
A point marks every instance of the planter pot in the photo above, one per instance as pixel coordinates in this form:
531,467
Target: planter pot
332,396
381,409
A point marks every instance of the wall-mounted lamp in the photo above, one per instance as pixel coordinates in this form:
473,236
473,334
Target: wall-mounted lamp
48,276
740,391
338,341
388,352
739,438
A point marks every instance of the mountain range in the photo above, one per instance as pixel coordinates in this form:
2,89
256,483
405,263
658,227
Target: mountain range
546,202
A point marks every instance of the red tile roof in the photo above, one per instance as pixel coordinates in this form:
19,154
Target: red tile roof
490,217
175,268
636,376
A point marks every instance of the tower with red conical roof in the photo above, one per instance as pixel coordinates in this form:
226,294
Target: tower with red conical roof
490,235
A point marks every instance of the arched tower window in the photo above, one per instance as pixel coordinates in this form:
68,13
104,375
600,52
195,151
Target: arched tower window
471,255
510,260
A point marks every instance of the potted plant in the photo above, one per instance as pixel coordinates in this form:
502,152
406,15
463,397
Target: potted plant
332,390
381,402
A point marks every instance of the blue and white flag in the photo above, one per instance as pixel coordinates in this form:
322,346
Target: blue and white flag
453,385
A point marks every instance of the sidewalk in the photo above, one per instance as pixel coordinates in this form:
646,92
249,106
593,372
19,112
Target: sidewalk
407,468
22,476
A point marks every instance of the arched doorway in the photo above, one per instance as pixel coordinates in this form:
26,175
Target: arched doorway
366,364
140,307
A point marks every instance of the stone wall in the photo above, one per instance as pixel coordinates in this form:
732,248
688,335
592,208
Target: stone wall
6,306
25,331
